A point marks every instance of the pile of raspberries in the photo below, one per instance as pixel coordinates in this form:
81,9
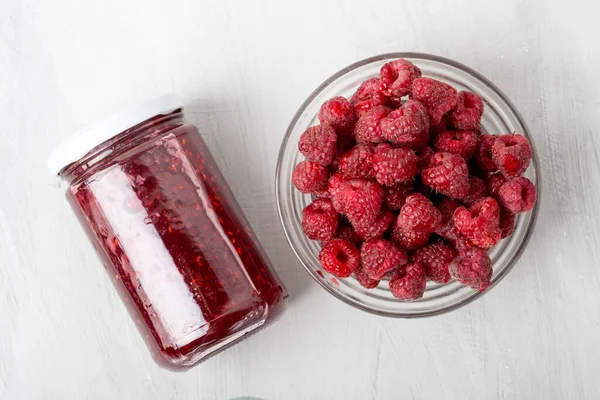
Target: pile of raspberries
406,186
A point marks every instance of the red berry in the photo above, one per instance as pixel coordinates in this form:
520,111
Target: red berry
448,174
339,114
361,201
468,111
395,196
436,258
483,154
447,207
393,166
397,76
309,177
320,220
463,143
418,214
408,282
494,183
318,144
407,126
346,232
357,163
377,228
333,188
477,190
474,268
380,256
409,240
368,127
507,222
462,244
339,257
480,223
367,97
518,195
363,279
512,154
321,193
438,97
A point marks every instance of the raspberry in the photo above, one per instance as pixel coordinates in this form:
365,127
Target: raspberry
346,232
339,257
409,240
447,208
408,282
367,97
480,223
474,268
462,244
321,193
380,256
477,190
424,157
435,258
339,114
518,195
463,143
448,174
438,97
397,76
309,177
318,144
395,196
320,220
419,215
365,91
392,166
468,111
494,184
363,279
377,228
407,126
368,127
357,163
507,222
333,188
361,201
483,154
512,154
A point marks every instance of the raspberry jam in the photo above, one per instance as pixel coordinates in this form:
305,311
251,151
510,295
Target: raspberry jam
174,240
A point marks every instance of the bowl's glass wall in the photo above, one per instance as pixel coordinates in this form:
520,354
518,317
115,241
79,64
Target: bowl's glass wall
499,117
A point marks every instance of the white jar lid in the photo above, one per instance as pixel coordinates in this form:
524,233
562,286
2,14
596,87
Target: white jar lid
79,144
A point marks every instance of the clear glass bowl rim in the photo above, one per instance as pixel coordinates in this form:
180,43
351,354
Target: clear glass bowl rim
426,57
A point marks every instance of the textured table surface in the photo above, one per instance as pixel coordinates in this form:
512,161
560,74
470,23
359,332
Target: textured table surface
243,68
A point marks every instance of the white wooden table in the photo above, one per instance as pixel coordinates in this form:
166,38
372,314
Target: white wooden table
243,68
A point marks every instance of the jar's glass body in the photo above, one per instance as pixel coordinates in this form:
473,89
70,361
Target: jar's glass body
174,240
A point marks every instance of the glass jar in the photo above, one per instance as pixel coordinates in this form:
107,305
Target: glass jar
170,233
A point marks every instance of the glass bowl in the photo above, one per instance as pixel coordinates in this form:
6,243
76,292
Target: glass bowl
500,116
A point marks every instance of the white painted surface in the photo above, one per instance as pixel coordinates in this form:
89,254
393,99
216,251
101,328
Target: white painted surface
243,68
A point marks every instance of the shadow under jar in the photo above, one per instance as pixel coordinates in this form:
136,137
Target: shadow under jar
173,238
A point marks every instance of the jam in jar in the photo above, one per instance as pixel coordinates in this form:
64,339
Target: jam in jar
170,234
